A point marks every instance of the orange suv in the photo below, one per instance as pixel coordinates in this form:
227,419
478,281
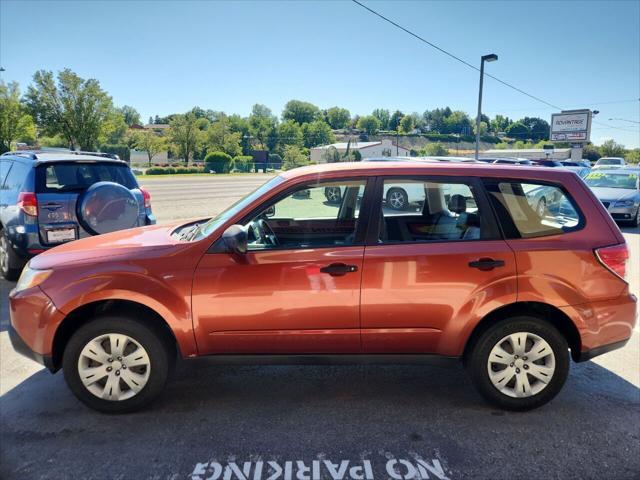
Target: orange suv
471,269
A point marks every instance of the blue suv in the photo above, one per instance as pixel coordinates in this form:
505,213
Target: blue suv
50,198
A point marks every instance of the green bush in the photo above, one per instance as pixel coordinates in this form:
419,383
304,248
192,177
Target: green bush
218,162
123,151
244,163
174,170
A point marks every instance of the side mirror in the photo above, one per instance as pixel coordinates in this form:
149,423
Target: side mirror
235,239
270,212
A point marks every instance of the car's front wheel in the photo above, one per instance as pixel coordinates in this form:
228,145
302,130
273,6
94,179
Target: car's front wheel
116,364
519,363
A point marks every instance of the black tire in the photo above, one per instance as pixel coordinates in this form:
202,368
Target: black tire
541,207
401,201
333,195
159,351
9,259
478,356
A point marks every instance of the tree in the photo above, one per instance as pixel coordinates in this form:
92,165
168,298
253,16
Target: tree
483,128
394,121
538,127
219,137
338,118
383,116
289,133
407,124
457,122
74,107
114,128
435,150
369,124
149,142
633,156
610,148
294,157
262,123
131,115
185,134
499,124
300,112
590,152
317,133
518,130
15,123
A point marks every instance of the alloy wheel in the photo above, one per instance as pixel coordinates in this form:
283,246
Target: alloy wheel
4,254
541,207
521,365
396,200
333,194
114,367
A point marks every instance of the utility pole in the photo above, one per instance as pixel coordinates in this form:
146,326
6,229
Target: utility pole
492,57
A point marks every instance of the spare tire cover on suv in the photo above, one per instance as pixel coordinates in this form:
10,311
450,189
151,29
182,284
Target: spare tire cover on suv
106,207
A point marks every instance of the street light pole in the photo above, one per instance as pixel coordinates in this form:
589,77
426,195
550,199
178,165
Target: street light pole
492,57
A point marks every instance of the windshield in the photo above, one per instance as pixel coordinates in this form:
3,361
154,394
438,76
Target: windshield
78,176
628,181
210,226
609,161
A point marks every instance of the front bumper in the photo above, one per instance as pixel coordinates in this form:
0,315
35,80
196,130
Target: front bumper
34,321
20,346
621,214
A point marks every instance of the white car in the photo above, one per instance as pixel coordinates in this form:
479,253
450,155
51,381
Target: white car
610,162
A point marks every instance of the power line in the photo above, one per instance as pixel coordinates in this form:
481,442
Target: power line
464,62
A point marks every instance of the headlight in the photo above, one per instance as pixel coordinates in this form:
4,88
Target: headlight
31,278
623,204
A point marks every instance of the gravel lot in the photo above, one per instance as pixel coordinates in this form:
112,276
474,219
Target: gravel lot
392,416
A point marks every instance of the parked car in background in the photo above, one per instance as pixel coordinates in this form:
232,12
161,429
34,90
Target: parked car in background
51,198
610,162
276,278
512,161
547,163
619,192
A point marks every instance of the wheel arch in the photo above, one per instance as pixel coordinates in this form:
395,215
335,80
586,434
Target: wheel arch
543,311
138,311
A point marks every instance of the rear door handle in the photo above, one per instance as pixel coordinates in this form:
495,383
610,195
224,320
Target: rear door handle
339,269
486,264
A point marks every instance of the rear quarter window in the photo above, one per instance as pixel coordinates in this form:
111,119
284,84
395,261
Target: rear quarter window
529,209
78,176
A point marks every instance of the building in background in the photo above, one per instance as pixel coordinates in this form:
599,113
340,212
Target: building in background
366,149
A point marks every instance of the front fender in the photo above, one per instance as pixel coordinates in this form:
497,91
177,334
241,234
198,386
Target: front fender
167,295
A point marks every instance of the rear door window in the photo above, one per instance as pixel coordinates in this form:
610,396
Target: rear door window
529,210
78,176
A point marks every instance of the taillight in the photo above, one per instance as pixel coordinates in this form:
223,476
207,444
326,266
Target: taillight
615,258
147,197
28,203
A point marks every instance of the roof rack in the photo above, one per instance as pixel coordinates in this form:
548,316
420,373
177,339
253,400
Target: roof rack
20,153
113,156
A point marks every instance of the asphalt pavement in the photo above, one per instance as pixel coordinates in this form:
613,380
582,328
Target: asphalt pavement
310,422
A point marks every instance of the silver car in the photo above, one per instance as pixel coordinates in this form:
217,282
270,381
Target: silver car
619,191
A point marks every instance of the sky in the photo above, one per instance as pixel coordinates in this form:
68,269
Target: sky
165,57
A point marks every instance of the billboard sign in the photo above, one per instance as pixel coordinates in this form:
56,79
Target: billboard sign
571,126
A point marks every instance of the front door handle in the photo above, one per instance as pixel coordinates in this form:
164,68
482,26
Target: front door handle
339,269
486,264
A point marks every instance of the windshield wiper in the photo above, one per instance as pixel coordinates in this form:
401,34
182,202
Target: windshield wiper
187,233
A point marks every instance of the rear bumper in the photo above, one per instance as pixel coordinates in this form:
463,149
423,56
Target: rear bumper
594,352
603,326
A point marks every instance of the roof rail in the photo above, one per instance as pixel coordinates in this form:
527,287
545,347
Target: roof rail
113,156
21,153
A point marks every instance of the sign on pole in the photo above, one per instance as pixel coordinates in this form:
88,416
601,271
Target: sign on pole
571,126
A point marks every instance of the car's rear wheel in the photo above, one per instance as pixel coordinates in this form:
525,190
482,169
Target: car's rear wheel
8,259
116,364
333,194
397,199
519,363
541,207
